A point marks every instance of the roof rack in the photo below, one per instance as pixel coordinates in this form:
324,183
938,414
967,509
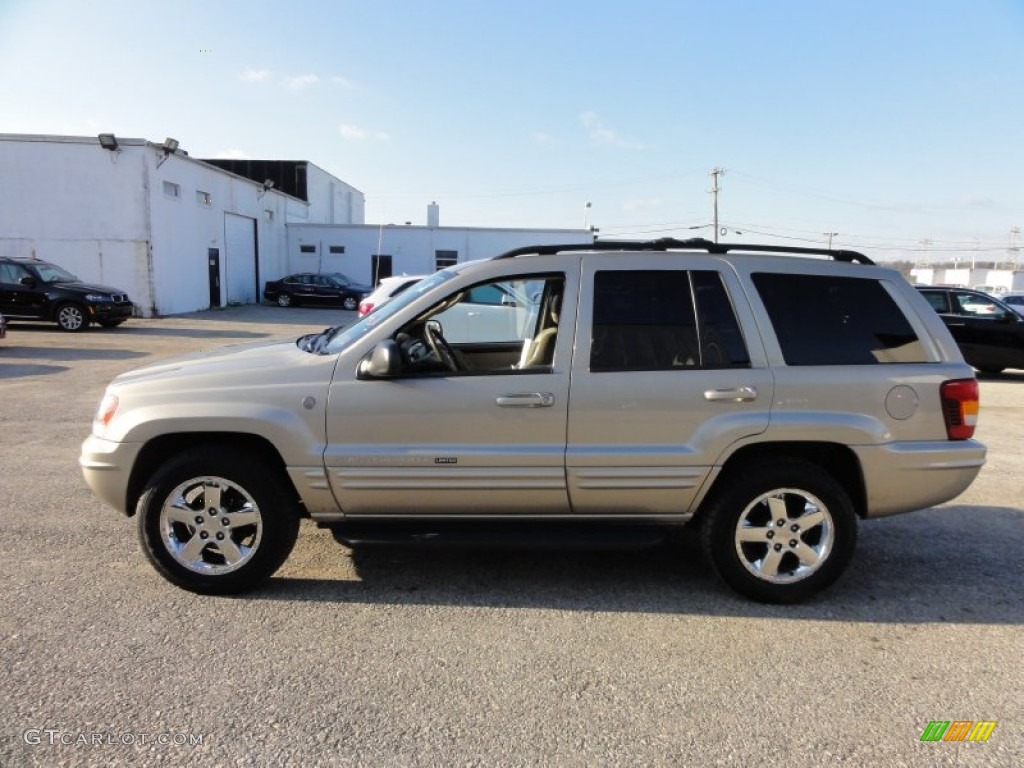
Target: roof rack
692,244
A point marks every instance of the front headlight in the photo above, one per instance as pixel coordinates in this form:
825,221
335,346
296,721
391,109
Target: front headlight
106,411
97,297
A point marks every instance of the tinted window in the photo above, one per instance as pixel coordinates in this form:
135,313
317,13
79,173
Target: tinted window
977,305
647,320
721,342
827,320
12,273
938,299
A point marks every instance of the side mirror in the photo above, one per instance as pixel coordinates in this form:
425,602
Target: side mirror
384,361
28,280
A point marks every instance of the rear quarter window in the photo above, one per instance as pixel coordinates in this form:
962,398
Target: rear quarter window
833,320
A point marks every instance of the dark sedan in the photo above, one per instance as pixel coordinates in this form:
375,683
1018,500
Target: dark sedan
333,289
989,333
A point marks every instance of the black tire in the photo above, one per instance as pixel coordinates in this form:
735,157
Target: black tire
253,512
351,303
284,299
71,317
752,506
110,323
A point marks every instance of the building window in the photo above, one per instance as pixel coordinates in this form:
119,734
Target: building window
336,249
172,190
444,259
269,214
307,249
204,198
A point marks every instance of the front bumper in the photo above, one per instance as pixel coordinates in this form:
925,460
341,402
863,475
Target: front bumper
906,476
111,311
107,467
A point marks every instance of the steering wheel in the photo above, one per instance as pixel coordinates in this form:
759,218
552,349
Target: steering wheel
439,345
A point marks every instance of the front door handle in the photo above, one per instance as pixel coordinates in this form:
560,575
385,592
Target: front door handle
526,400
734,395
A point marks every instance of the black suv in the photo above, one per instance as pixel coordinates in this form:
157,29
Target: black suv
989,333
31,289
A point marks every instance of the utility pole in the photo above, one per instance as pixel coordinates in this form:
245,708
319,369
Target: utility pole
715,173
927,243
1013,251
830,235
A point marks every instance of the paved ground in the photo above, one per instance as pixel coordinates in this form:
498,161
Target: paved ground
397,658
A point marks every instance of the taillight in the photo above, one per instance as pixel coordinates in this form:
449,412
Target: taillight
960,407
364,308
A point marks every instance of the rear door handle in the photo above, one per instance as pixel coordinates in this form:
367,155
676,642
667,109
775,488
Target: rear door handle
526,400
734,395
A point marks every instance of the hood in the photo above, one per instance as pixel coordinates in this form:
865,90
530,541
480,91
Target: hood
88,287
234,365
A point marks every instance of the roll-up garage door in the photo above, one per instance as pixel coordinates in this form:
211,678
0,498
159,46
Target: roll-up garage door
240,258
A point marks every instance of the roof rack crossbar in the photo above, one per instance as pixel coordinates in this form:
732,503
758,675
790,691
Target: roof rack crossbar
671,243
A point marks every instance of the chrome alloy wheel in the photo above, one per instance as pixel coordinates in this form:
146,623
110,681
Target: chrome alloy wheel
210,525
784,536
70,317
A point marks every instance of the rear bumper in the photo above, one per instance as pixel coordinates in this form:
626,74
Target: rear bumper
107,467
903,477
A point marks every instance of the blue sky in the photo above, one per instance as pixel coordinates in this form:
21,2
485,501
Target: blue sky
890,123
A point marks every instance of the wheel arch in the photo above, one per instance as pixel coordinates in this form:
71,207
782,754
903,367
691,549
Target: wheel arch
161,448
836,459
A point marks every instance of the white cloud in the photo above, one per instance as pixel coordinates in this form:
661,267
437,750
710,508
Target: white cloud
232,154
639,205
254,75
351,132
601,134
344,82
302,81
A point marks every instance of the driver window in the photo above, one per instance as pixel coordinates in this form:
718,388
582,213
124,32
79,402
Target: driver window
501,326
979,306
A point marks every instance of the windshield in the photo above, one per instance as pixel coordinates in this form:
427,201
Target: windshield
51,273
336,339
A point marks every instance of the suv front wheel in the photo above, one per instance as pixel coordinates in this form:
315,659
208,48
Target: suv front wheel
71,317
780,531
217,524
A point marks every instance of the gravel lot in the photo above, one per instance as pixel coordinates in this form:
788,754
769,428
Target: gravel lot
391,657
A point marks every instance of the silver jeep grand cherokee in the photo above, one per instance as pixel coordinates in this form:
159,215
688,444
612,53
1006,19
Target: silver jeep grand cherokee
607,391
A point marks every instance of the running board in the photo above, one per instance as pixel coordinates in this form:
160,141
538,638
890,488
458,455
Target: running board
502,535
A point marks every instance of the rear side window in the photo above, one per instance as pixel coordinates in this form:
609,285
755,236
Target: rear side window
938,299
827,320
663,320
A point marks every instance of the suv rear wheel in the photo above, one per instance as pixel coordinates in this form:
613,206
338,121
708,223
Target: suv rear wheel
780,531
217,524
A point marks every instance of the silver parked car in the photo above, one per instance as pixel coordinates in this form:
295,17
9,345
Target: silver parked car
615,389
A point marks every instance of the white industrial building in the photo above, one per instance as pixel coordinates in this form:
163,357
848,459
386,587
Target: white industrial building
991,281
369,253
178,234
181,234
